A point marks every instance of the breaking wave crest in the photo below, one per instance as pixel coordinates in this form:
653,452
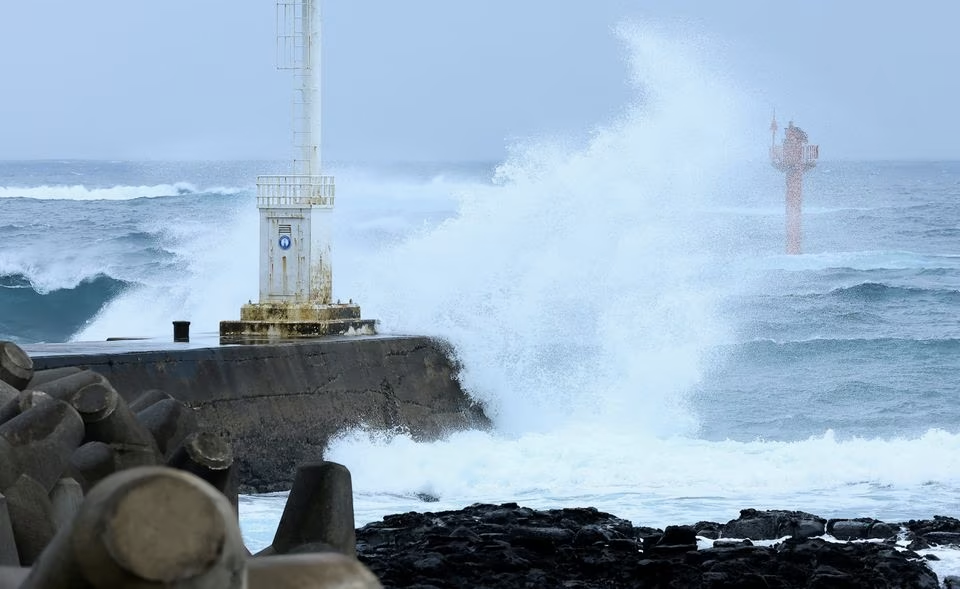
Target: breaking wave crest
80,192
40,315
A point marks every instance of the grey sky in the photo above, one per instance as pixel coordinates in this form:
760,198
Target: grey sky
455,79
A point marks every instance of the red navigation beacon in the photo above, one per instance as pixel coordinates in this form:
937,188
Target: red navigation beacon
794,157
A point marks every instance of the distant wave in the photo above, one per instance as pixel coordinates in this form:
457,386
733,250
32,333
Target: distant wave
871,291
777,211
875,291
35,316
934,271
859,346
947,232
858,211
80,192
865,260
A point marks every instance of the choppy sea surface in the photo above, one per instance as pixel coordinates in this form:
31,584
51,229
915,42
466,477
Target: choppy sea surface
621,304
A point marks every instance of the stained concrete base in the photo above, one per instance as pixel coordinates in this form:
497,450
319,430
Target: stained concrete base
249,331
279,320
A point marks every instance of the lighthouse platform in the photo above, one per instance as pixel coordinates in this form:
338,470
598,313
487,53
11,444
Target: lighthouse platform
278,320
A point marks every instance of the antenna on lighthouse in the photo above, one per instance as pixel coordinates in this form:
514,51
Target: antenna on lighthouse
794,157
296,277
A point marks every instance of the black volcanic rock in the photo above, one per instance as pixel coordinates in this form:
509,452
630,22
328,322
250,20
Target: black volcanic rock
860,529
939,531
939,523
774,524
507,546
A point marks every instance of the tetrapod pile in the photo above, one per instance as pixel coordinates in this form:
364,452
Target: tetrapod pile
97,492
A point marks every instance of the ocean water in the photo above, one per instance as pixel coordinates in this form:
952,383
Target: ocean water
621,303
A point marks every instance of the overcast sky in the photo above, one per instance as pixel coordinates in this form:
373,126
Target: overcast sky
456,79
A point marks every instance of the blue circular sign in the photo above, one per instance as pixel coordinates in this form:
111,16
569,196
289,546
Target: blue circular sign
285,242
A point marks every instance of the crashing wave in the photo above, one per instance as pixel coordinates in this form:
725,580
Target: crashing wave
80,192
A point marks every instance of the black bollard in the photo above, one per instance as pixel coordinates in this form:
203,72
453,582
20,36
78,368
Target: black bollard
91,463
299,571
146,527
31,516
319,510
108,419
170,422
148,398
16,367
181,331
39,442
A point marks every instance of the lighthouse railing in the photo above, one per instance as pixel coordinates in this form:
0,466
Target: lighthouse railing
806,155
295,191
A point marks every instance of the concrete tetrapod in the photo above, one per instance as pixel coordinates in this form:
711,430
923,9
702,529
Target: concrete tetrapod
65,500
107,419
30,398
91,463
41,377
148,398
8,393
16,367
209,457
9,409
8,543
39,442
169,421
12,577
31,515
327,570
65,387
9,402
146,527
318,513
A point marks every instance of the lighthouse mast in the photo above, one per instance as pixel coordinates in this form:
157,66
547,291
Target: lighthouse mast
794,157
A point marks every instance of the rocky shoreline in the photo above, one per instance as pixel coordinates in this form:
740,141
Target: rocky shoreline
501,546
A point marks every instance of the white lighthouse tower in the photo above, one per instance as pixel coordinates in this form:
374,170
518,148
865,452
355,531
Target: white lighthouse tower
296,277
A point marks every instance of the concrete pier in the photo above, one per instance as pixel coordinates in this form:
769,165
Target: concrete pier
279,403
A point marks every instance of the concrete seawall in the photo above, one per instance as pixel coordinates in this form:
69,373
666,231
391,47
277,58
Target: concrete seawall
279,404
